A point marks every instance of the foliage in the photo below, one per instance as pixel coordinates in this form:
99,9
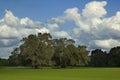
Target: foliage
41,50
99,58
4,62
114,57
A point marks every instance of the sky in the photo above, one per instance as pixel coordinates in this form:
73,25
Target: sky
94,23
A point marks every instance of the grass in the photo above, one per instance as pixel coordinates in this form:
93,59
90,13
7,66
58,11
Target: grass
60,74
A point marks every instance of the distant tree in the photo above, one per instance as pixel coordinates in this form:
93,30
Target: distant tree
4,62
83,56
114,57
14,58
99,58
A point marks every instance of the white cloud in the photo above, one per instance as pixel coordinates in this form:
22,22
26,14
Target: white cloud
76,31
52,26
26,22
74,15
10,19
7,31
13,29
58,20
42,30
107,43
91,27
61,34
113,22
94,9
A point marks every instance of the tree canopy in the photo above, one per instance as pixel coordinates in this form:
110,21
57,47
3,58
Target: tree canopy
41,50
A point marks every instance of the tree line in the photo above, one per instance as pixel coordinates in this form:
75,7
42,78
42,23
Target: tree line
42,50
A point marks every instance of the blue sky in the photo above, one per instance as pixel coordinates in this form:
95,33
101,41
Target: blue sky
45,9
94,23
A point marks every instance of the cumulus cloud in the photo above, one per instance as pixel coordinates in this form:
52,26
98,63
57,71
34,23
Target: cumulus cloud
10,19
91,27
13,29
7,31
73,14
53,27
61,34
107,43
58,20
94,9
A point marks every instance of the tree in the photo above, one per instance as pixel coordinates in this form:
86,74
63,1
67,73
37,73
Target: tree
114,57
34,49
62,52
4,62
45,49
41,50
59,46
14,58
83,56
99,58
67,54
71,53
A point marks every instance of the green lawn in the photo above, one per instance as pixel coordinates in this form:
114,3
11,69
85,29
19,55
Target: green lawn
60,74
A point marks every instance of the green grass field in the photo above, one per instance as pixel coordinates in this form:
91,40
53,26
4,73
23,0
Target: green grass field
60,74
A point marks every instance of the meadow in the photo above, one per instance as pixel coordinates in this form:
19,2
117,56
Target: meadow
60,74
